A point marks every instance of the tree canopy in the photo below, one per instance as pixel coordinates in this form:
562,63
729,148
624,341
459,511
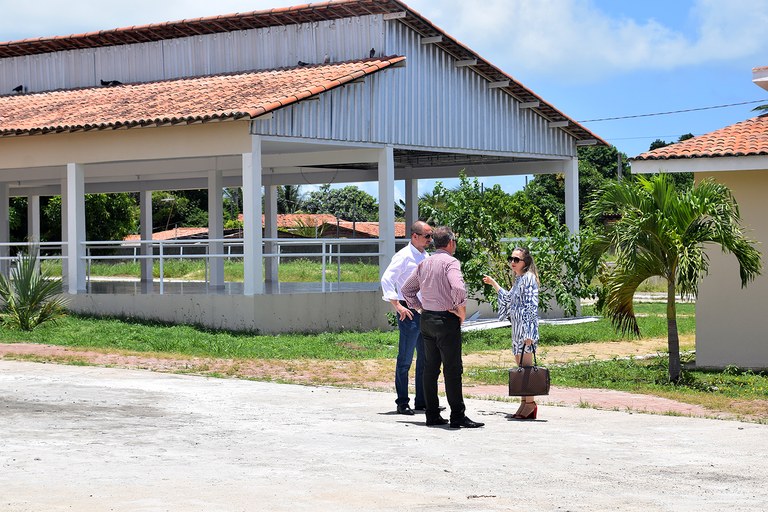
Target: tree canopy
348,203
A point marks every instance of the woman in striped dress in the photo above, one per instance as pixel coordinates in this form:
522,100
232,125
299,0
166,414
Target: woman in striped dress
521,306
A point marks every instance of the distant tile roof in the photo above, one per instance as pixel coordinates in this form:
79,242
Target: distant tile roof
307,13
178,101
170,234
284,220
372,228
748,137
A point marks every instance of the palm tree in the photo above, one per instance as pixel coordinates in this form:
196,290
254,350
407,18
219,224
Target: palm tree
289,199
30,297
663,232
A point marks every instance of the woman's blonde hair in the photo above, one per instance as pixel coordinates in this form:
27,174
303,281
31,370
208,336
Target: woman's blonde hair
530,265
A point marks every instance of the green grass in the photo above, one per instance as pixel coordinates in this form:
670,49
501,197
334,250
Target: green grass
290,271
187,340
648,376
651,319
183,340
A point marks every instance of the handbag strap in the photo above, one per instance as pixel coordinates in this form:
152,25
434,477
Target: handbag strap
533,349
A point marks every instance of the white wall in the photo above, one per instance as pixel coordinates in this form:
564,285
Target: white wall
730,320
308,312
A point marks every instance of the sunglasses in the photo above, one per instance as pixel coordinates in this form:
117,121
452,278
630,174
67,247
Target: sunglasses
515,259
427,236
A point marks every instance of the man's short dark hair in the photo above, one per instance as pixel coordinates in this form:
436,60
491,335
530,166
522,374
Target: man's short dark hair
441,236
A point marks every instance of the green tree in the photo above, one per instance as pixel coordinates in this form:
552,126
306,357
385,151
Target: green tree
662,231
108,217
682,179
480,218
348,203
597,164
483,217
289,199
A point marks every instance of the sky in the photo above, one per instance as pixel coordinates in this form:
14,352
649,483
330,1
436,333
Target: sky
591,59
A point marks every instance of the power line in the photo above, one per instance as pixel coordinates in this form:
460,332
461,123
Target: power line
672,112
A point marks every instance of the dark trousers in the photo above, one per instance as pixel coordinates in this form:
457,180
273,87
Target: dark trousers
442,346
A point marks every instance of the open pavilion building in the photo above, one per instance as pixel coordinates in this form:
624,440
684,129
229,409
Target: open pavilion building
336,92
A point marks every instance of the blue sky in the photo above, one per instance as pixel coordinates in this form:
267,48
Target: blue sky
591,59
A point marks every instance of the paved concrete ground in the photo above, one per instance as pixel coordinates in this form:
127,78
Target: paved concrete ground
101,439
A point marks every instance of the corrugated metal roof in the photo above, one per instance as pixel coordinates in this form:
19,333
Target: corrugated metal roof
748,137
188,100
294,15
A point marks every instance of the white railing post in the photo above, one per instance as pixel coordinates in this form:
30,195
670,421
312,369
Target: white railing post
161,265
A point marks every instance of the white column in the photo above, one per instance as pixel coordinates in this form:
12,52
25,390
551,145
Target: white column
572,195
253,273
75,220
64,248
411,205
216,227
386,207
5,226
33,219
145,234
270,231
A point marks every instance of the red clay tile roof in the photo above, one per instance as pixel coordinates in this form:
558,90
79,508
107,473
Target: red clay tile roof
313,12
372,228
748,137
185,100
287,220
170,234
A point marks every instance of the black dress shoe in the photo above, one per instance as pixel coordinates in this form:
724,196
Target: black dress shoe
405,409
466,423
437,421
424,408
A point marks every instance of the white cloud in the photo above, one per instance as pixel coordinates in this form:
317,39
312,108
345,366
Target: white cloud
575,39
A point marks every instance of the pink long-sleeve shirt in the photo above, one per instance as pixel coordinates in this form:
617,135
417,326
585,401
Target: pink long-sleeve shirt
440,281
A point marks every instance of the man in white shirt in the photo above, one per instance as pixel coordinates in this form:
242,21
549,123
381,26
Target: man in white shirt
408,320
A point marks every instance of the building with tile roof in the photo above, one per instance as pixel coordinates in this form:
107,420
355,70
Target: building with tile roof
335,92
729,327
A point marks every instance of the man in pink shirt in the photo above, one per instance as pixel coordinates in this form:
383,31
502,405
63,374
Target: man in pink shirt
443,308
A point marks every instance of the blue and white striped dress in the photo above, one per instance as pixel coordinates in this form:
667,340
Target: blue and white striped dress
521,306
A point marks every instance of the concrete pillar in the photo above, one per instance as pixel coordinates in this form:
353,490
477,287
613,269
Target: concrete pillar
145,234
386,207
33,219
216,228
253,272
572,195
5,227
411,205
270,231
74,218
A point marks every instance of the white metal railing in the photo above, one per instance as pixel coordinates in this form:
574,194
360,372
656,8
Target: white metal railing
47,251
329,249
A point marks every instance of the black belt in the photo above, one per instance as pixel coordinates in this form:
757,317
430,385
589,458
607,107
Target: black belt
439,313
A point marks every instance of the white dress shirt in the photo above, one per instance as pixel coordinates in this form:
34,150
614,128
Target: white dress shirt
403,263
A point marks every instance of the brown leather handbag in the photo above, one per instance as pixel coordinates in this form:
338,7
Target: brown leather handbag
529,380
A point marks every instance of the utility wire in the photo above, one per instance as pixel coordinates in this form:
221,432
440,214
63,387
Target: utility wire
672,112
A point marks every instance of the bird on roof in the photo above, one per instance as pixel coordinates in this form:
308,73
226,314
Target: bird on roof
19,89
327,59
110,83
373,53
302,63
